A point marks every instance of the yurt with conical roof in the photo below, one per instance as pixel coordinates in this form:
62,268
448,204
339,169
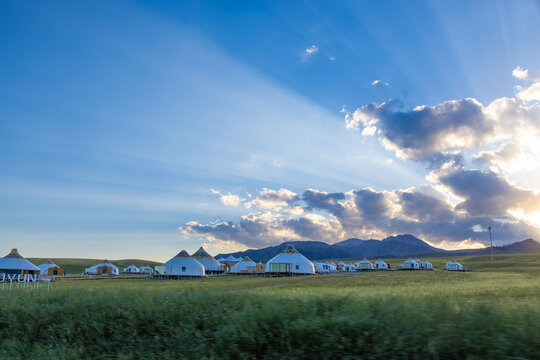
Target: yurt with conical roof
147,270
244,267
324,267
380,265
289,262
341,266
132,269
184,265
49,268
454,266
426,265
409,264
103,268
365,265
14,264
211,265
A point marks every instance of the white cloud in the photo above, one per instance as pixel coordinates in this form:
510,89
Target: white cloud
311,50
379,83
531,93
272,199
231,199
520,73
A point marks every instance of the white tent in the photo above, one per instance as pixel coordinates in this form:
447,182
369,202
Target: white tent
419,262
409,264
289,261
50,268
239,258
146,270
242,266
221,259
427,265
184,265
13,263
350,267
380,265
365,265
341,266
210,264
104,268
324,268
230,258
454,266
132,269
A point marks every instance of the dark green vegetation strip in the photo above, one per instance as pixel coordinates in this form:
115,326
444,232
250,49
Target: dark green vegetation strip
423,315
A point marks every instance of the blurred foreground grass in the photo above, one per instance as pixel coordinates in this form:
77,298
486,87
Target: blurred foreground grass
490,313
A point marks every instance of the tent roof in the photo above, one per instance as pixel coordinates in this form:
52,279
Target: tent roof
14,261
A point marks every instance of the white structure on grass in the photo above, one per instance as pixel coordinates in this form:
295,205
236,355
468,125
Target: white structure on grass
427,265
365,265
146,270
324,268
184,265
409,264
380,265
289,261
243,266
15,264
132,269
454,266
104,268
210,264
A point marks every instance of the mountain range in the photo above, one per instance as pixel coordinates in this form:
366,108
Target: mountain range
392,246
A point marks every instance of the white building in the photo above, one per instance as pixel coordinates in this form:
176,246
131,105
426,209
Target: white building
454,266
244,266
104,268
324,268
184,265
380,265
15,264
409,264
427,265
49,268
289,261
132,269
365,265
146,270
210,264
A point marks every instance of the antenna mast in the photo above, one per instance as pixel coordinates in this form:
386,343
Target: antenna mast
491,243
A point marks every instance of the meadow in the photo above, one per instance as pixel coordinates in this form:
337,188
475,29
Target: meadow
489,312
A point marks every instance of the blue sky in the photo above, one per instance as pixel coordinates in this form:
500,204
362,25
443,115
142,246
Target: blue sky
122,122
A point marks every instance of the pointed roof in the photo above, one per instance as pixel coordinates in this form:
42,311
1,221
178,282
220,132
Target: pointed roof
230,258
15,261
14,254
202,254
49,262
183,254
289,249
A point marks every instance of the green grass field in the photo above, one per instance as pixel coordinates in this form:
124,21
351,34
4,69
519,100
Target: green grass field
490,312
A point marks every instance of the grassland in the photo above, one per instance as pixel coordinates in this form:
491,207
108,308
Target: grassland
491,312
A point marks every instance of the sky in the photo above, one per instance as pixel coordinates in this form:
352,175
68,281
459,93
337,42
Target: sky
136,129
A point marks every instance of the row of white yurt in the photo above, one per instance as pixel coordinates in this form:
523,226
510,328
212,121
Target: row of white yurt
132,269
289,261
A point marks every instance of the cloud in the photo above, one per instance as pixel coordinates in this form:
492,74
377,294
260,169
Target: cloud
273,199
503,157
231,199
520,73
311,51
531,93
379,83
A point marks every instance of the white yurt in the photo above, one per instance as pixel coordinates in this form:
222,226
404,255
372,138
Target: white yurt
146,270
324,268
380,265
350,267
419,262
132,269
427,265
184,265
49,268
13,263
210,264
243,266
104,268
364,265
409,264
239,258
341,266
289,261
221,258
454,266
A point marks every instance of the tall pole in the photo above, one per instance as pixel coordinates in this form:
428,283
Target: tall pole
491,243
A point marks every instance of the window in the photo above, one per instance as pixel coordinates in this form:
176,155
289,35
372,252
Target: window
183,269
297,267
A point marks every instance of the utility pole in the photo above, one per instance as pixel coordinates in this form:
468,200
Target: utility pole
491,243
